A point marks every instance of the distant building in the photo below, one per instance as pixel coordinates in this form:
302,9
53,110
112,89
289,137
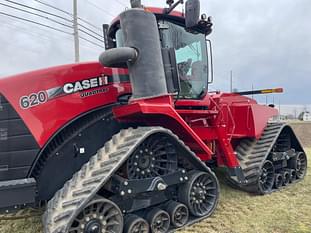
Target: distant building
305,116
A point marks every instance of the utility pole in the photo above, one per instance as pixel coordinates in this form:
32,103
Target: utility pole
231,81
252,90
76,31
295,113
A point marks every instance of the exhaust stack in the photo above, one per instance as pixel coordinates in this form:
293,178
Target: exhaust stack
142,54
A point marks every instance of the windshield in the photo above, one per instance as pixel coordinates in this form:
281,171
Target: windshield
191,56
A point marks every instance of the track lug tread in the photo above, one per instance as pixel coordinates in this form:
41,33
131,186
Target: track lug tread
102,171
250,162
62,216
109,162
85,184
82,191
72,202
252,154
92,180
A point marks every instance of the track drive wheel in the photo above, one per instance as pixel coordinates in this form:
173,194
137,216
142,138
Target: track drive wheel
266,178
178,212
100,215
135,224
159,220
156,156
200,193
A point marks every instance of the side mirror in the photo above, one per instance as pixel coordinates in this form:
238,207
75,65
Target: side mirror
192,13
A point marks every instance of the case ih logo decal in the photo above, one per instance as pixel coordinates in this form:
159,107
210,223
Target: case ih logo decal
84,87
70,88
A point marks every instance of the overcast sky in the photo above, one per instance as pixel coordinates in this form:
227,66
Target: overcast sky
266,43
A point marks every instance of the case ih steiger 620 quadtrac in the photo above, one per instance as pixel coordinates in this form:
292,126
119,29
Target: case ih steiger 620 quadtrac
127,144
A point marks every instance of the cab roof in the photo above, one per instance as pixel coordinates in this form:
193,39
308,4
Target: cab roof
159,13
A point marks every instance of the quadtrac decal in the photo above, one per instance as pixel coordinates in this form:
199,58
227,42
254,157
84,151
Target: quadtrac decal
86,88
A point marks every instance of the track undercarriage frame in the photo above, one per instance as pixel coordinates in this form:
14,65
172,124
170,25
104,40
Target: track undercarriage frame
167,188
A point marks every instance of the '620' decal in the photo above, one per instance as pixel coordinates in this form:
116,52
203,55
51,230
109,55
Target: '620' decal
33,99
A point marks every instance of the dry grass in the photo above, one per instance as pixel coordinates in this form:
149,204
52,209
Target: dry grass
287,211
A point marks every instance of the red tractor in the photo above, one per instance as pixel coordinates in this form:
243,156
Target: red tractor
127,144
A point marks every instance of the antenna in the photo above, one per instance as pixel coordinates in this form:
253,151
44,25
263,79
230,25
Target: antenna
172,5
136,3
170,2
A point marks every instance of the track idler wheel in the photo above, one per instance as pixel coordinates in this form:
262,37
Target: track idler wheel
266,178
135,224
100,215
179,214
200,193
278,180
301,165
159,220
286,178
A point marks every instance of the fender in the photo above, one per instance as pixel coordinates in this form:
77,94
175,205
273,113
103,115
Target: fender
48,99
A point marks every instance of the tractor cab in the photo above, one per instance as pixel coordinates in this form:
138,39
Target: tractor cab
191,58
183,37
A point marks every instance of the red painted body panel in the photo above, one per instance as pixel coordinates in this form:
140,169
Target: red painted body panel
159,111
155,10
217,118
208,126
249,117
224,117
45,119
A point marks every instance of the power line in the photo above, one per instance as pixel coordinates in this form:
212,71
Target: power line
83,38
55,21
91,35
36,9
32,13
34,22
43,36
50,27
99,8
90,24
67,13
25,30
121,3
53,7
90,30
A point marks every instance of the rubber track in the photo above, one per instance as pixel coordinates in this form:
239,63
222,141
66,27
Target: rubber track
252,154
77,192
